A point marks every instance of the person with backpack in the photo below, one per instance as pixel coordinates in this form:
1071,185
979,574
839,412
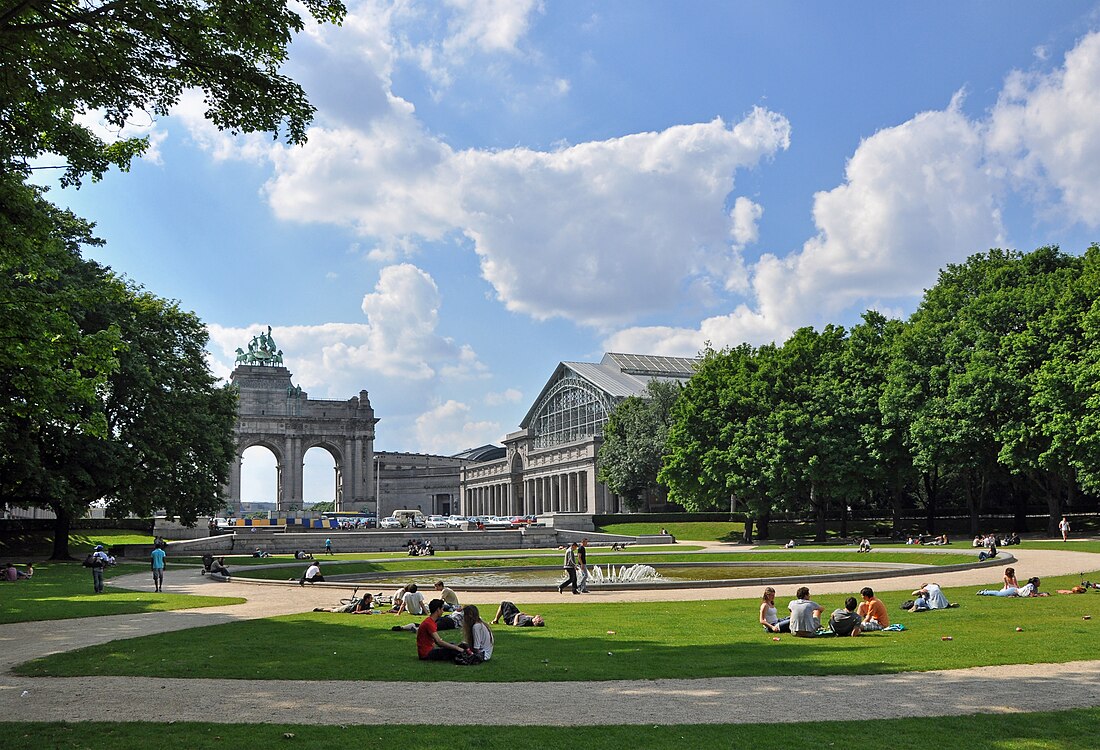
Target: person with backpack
98,561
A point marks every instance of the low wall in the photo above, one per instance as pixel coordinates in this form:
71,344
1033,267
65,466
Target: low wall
373,540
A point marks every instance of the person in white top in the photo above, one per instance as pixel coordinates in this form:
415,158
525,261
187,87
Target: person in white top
805,614
1063,526
929,596
312,574
412,602
769,617
476,634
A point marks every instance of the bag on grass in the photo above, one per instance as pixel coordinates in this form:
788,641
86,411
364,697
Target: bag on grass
907,604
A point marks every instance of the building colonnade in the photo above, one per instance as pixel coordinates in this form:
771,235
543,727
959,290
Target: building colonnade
566,492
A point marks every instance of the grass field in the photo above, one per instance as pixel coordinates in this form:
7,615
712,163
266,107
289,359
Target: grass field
63,590
650,641
1059,730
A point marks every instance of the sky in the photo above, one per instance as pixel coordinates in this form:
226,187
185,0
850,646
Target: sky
493,186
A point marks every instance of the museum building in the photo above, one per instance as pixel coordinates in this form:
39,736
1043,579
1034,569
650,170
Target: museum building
549,464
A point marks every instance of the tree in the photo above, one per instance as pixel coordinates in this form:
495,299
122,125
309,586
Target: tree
108,397
67,57
634,443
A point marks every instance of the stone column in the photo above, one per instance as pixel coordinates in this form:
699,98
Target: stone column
232,491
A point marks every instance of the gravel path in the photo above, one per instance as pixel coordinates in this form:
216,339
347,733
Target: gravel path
1014,688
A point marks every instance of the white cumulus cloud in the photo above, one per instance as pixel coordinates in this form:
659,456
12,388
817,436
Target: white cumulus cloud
450,427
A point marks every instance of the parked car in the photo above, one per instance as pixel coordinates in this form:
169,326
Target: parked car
437,522
520,521
499,522
456,521
390,523
473,521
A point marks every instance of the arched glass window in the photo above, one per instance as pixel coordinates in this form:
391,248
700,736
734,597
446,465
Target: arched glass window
572,410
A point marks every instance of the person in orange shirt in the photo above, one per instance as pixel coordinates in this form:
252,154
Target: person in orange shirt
872,610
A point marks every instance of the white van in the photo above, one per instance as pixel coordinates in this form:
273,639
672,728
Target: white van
413,518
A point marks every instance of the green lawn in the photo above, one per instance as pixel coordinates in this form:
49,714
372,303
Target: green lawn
414,564
1070,546
698,531
1057,730
38,544
62,590
652,640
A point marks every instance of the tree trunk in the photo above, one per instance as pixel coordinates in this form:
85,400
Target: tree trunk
747,536
1054,508
844,521
931,492
61,532
1021,492
820,530
971,503
762,524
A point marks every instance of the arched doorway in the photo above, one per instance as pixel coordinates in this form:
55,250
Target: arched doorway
321,476
260,475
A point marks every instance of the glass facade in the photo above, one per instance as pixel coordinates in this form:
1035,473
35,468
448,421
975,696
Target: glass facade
572,410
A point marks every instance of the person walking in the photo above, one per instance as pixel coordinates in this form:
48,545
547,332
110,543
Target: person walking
328,547
570,566
157,560
98,562
1063,526
582,561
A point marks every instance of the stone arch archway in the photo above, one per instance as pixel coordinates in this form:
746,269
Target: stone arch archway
337,456
280,416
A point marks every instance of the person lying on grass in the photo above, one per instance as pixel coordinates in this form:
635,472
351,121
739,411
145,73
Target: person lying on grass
930,596
356,607
512,616
429,646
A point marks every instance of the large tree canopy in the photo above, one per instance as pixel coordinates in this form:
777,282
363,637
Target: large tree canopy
105,393
634,443
61,58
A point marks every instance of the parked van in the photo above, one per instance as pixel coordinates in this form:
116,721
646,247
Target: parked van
408,517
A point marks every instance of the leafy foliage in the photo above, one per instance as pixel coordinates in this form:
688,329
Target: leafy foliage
68,58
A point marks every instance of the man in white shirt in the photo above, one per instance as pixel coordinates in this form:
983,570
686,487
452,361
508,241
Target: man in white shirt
805,614
312,574
412,602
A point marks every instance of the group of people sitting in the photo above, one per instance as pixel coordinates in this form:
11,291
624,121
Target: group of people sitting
420,547
11,573
1010,587
992,540
924,539
805,615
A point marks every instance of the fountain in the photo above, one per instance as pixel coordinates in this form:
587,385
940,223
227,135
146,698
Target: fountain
633,574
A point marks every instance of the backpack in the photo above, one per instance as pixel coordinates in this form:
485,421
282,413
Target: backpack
89,561
907,604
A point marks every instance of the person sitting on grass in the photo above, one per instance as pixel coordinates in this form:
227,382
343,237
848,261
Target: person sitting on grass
846,622
872,611
261,553
512,616
312,574
10,572
769,618
864,545
449,597
28,573
930,596
477,636
429,646
412,602
805,614
301,554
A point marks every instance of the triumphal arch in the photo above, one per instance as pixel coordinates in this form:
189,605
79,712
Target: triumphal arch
280,416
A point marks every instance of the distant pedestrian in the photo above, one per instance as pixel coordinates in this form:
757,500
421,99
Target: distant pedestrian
98,562
157,556
582,570
328,547
1063,526
569,564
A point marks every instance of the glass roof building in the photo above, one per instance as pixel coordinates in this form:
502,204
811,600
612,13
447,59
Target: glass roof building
549,464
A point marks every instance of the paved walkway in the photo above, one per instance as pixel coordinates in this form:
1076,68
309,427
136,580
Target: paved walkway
723,700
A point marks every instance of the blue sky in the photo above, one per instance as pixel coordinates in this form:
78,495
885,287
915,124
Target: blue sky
493,186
